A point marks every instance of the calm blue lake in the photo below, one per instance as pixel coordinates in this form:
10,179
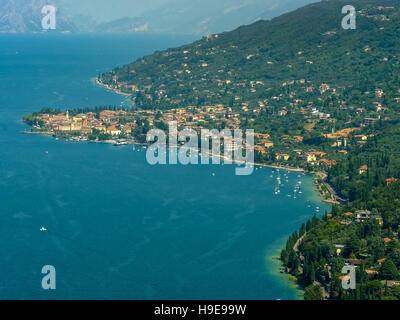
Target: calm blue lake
119,228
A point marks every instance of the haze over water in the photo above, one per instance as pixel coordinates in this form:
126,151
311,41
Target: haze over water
119,228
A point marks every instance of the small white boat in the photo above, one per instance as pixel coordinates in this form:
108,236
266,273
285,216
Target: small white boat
43,229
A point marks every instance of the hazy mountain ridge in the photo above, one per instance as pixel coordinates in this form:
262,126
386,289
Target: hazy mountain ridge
203,17
129,25
172,17
198,17
24,16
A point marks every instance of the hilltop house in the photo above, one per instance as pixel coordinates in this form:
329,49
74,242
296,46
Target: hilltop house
390,181
311,157
363,169
267,143
363,215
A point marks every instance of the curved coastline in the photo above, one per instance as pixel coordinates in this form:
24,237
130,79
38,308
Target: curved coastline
98,82
273,266
273,263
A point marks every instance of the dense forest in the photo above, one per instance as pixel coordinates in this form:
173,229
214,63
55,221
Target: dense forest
371,243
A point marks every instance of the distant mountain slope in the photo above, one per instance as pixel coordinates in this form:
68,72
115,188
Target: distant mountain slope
210,16
24,16
124,25
173,16
307,44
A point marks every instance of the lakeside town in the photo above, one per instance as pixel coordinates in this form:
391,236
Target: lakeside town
121,126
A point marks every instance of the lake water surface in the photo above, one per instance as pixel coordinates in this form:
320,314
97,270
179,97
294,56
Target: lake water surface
119,228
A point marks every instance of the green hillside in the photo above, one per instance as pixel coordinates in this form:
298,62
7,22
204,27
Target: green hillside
253,61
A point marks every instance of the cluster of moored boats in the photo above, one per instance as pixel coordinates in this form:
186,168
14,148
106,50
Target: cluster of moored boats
281,181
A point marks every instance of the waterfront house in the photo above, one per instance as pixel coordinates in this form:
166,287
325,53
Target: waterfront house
113,131
279,156
100,128
76,126
64,127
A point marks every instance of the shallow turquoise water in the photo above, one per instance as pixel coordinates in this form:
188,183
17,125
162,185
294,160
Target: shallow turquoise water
118,227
